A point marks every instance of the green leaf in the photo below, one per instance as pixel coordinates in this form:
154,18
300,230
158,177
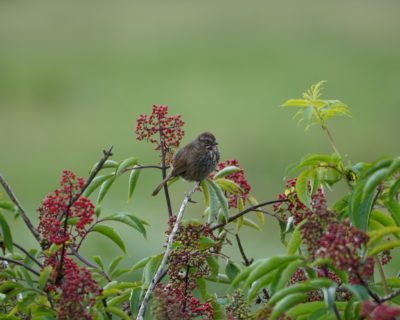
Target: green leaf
114,263
261,283
133,179
44,276
128,219
204,188
287,303
9,206
134,300
228,185
118,312
99,262
206,243
287,273
383,218
359,208
260,215
151,268
221,197
373,181
305,309
267,266
96,182
299,103
295,240
383,247
251,224
213,200
6,233
246,272
104,188
226,172
125,164
330,296
107,165
140,264
111,234
302,187
359,291
213,265
382,232
232,270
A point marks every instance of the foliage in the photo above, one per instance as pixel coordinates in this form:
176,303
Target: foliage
332,268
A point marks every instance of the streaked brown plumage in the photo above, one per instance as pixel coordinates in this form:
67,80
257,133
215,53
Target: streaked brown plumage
195,161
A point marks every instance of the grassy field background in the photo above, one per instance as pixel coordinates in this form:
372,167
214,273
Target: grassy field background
74,77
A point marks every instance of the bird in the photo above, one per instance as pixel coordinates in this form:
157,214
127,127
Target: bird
195,161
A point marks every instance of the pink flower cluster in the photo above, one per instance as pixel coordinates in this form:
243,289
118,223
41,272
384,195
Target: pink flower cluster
161,129
239,178
57,206
344,245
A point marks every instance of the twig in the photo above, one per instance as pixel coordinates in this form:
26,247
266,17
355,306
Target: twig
164,261
14,199
164,175
106,155
28,254
336,311
20,264
390,296
249,209
372,294
382,275
89,264
247,262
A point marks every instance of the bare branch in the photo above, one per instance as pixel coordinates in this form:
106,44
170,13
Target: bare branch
20,264
164,261
24,216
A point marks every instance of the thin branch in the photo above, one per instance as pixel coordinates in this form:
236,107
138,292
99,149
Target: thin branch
14,199
89,264
247,261
106,155
28,254
372,294
382,275
164,261
164,175
249,209
331,140
20,264
336,311
390,296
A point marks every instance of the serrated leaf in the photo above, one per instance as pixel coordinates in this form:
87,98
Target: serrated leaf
128,219
111,234
267,266
228,185
6,234
133,179
151,268
118,312
226,172
251,224
221,197
295,241
302,187
104,188
134,300
213,265
129,162
96,182
99,262
114,263
287,303
44,276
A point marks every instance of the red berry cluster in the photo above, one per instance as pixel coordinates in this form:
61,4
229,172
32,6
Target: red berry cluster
172,303
386,257
344,245
187,264
239,178
371,311
75,295
161,129
58,206
188,260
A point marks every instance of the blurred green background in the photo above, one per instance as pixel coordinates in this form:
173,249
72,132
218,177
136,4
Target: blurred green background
75,75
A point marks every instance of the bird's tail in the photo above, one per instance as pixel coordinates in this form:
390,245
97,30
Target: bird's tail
162,183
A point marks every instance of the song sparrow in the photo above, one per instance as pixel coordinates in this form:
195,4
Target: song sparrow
195,161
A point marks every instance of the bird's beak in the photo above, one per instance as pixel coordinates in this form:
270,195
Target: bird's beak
215,143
